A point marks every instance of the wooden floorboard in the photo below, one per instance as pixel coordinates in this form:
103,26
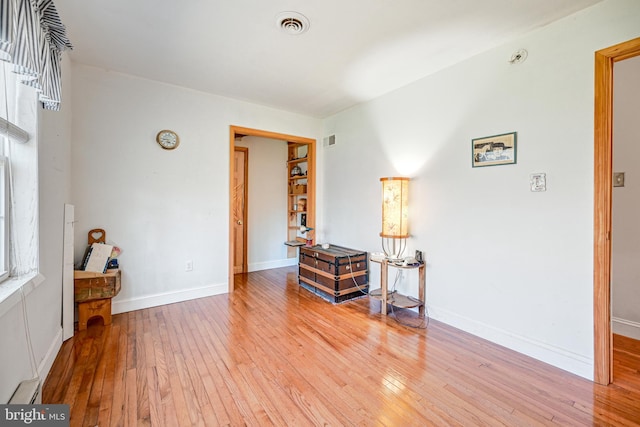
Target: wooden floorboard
273,353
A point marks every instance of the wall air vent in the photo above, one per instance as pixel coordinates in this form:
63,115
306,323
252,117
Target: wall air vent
292,23
329,141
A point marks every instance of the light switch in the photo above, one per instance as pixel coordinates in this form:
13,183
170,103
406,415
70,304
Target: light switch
538,182
618,179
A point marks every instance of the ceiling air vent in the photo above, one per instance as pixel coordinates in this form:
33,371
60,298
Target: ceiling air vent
292,23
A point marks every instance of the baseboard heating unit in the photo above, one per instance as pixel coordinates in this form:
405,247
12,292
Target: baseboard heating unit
27,393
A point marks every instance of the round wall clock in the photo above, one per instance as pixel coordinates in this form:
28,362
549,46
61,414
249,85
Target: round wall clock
168,139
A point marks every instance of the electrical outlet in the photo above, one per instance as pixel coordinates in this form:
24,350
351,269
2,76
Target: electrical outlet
188,266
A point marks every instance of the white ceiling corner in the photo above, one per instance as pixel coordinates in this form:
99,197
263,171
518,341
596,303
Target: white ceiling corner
353,51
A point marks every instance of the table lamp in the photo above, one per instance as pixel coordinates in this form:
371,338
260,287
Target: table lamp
395,209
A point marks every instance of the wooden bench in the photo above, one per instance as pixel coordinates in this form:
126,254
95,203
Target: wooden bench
93,293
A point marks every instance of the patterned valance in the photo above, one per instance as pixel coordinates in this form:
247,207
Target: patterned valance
32,38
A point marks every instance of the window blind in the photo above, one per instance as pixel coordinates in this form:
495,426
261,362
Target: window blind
33,38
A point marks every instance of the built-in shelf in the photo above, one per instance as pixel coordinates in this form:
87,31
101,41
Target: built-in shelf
300,162
295,161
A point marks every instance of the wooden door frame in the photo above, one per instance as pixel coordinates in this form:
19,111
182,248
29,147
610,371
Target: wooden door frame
603,175
236,131
245,264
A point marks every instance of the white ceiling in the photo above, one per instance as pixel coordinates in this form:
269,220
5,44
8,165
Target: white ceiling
354,50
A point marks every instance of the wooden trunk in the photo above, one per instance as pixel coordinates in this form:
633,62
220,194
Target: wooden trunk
337,274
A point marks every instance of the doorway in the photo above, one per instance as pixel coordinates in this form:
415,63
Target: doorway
603,182
239,132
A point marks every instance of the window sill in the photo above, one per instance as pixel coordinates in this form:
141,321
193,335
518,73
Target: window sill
10,290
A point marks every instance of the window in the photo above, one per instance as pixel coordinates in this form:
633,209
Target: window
32,38
7,81
18,176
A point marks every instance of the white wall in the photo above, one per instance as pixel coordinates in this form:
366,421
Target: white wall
625,250
503,262
162,208
267,206
44,302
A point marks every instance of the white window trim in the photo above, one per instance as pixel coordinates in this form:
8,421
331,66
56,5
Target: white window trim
10,290
13,132
5,226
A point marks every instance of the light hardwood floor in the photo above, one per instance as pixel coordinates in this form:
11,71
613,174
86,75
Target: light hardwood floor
274,354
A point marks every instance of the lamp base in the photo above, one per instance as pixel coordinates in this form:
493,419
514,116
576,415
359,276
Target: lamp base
393,248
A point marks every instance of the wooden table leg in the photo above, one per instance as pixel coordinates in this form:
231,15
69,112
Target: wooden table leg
384,275
421,289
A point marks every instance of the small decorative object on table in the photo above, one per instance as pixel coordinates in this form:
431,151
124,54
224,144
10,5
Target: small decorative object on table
307,230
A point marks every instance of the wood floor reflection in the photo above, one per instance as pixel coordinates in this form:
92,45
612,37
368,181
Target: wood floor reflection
272,353
626,363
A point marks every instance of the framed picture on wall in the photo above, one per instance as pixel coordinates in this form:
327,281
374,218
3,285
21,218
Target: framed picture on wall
494,150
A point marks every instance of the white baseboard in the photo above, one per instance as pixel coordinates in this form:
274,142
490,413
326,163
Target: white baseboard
555,356
123,306
625,327
50,356
258,266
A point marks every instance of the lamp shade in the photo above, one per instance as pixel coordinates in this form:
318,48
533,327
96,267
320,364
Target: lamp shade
395,207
